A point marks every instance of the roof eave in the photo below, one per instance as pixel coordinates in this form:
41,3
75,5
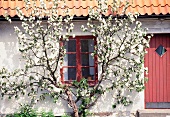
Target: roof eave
16,18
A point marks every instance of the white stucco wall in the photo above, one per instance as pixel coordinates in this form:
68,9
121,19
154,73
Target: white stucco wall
9,57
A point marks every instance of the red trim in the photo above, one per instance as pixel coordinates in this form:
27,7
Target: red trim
78,49
69,67
61,70
70,52
83,37
96,63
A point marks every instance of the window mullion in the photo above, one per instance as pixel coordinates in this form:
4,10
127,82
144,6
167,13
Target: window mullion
78,62
95,64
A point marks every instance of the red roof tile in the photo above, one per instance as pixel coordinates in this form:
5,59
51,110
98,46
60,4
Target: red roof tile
81,7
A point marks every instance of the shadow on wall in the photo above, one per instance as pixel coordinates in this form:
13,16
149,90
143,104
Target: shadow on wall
9,58
9,54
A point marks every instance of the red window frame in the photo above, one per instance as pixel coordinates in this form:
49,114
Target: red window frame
78,61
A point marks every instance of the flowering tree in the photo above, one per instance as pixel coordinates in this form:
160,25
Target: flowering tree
120,49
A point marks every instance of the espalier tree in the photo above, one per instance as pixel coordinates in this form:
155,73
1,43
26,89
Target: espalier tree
120,49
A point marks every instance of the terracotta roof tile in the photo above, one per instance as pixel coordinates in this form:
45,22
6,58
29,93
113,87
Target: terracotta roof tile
81,7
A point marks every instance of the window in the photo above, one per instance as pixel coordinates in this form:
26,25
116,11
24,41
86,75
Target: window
78,62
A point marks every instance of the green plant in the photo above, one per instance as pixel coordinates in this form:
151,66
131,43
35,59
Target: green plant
65,115
27,111
47,114
24,111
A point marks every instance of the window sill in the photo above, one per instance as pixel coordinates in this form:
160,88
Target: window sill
90,82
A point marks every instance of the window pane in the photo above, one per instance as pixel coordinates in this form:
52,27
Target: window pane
87,60
88,73
87,45
69,74
71,46
70,60
160,50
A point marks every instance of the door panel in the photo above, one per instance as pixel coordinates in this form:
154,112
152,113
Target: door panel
157,89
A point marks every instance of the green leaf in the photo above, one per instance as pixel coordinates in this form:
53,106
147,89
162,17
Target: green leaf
4,84
3,76
21,50
31,78
114,106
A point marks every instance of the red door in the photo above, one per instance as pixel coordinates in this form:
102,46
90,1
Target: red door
157,92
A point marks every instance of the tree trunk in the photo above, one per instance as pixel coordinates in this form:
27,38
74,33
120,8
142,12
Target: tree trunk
72,103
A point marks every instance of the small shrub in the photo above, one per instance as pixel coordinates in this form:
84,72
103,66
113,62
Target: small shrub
66,115
47,114
27,111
